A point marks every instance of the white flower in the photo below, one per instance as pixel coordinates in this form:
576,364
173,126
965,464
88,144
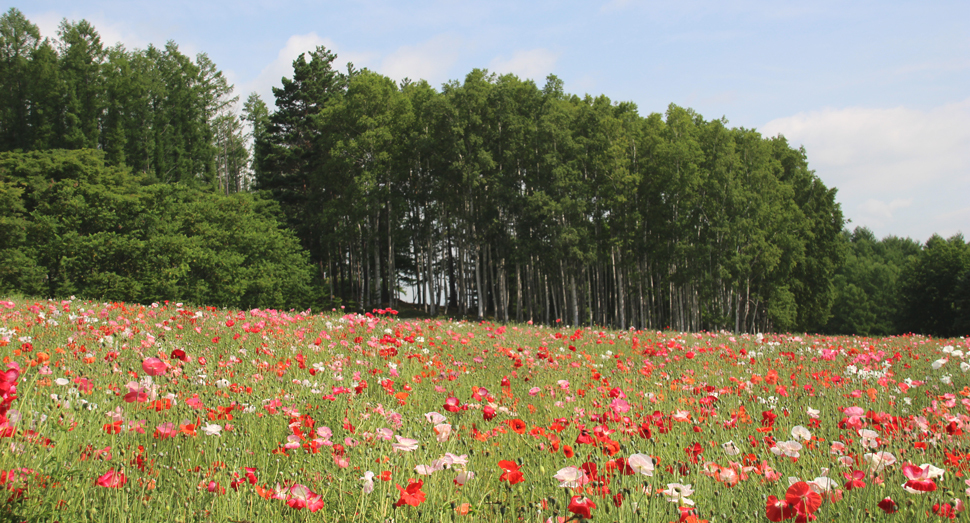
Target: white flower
878,461
463,477
571,477
678,493
730,448
964,366
870,438
939,363
62,381
813,413
211,429
800,432
787,448
641,463
368,480
434,418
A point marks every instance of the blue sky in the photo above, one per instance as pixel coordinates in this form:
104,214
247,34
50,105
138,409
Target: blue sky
878,93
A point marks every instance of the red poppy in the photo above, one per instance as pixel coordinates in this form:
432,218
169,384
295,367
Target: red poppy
581,506
411,495
803,498
888,506
517,425
779,510
488,413
512,473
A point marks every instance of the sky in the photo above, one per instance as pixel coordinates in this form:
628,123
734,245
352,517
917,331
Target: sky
877,92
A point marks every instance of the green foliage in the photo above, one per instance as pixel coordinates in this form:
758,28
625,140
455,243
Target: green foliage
85,229
154,110
933,288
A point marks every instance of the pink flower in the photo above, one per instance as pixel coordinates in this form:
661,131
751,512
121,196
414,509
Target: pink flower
300,497
112,479
154,366
405,444
919,479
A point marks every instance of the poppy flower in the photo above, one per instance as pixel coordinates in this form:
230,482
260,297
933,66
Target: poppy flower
888,506
581,506
412,495
511,472
801,496
779,509
154,366
517,425
919,479
488,413
112,479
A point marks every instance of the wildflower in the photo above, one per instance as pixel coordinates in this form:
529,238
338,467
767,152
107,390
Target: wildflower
511,472
154,366
678,493
920,479
641,463
571,477
112,479
581,506
368,480
787,448
878,461
300,497
730,448
412,495
405,444
211,429
888,505
463,477
800,432
442,432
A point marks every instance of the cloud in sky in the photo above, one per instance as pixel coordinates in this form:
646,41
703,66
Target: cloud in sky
430,60
111,33
887,160
535,64
282,65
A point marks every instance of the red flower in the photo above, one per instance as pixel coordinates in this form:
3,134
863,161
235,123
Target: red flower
803,498
581,506
512,473
411,495
517,425
888,506
452,405
779,510
768,418
488,413
112,479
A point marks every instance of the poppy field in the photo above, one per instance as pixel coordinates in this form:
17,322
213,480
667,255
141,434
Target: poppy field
164,412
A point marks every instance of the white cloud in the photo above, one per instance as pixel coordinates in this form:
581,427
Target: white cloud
878,213
534,63
271,75
899,148
914,159
430,60
111,33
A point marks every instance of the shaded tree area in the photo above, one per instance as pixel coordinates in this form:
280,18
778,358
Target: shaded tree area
494,197
895,286
71,225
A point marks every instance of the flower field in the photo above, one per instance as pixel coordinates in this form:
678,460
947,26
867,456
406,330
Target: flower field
120,412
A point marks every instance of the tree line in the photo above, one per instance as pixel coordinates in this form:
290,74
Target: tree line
495,197
489,197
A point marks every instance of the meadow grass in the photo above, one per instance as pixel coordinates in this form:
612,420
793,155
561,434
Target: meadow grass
123,412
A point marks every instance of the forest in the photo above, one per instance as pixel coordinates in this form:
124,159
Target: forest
138,175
